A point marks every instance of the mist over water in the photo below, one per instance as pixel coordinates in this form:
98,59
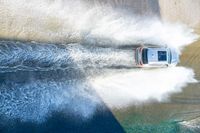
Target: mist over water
142,86
96,55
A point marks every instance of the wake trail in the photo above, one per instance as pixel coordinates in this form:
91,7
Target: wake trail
29,56
45,78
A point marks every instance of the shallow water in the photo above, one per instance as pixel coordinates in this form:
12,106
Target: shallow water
85,80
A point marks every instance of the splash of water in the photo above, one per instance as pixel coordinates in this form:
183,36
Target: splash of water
76,21
136,87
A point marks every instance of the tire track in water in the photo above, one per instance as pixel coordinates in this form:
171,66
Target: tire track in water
44,57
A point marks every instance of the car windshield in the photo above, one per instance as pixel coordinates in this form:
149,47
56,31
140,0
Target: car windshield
170,56
144,56
162,55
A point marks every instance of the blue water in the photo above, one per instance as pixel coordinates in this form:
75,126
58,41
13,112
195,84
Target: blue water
43,89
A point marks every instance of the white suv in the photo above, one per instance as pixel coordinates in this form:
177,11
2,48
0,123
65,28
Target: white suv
156,57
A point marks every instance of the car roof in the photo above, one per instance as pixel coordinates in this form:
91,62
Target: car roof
158,55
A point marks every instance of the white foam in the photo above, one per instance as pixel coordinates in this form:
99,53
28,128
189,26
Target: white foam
139,86
66,21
